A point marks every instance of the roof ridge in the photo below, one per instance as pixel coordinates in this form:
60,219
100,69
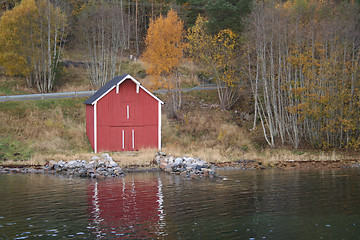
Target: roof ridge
111,84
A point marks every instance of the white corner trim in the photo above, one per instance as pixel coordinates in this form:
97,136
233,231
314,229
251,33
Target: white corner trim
123,140
95,127
137,88
159,126
117,89
127,112
133,139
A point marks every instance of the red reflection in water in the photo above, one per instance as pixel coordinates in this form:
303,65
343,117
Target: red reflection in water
126,208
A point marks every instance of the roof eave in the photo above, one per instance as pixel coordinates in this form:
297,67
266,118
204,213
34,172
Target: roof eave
128,76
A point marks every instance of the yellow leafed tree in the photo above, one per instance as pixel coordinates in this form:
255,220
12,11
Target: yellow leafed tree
15,46
303,67
31,40
217,55
164,52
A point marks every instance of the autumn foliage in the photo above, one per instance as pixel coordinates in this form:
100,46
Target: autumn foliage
32,35
164,48
303,65
217,55
164,52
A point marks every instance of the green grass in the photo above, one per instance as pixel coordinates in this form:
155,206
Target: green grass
48,126
12,86
11,149
135,69
69,106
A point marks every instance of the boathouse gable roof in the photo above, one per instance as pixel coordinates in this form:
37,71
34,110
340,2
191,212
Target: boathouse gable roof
112,84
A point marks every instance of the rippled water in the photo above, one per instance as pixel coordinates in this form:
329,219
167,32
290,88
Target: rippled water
251,204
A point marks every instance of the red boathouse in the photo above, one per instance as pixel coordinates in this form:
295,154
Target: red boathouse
123,116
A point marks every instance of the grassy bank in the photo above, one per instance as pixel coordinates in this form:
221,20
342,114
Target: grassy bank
33,132
42,127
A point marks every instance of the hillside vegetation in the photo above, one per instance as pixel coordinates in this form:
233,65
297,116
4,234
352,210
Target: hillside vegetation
287,72
33,132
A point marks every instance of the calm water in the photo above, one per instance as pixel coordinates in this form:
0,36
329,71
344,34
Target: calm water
270,204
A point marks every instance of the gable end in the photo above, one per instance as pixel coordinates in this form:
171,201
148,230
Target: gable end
115,82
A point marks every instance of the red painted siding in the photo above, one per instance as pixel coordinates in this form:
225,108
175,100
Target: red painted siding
90,124
127,121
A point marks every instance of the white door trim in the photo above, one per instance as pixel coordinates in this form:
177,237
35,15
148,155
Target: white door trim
133,138
159,125
95,127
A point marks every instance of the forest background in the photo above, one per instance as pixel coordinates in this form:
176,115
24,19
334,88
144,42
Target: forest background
287,72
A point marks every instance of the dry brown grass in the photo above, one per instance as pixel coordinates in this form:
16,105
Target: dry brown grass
271,156
208,134
189,73
55,130
74,79
207,154
143,157
76,53
45,127
14,85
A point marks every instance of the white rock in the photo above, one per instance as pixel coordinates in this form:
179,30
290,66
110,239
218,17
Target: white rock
89,166
107,159
199,162
101,164
158,159
61,163
178,161
93,163
113,164
78,163
189,160
170,159
72,164
66,166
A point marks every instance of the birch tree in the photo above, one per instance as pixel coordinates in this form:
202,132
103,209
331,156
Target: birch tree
303,65
217,54
32,37
163,54
103,29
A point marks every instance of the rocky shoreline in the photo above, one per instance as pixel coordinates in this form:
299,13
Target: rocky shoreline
189,167
98,167
186,166
291,164
104,166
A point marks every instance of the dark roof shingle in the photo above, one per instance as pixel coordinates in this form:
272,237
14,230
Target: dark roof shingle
104,89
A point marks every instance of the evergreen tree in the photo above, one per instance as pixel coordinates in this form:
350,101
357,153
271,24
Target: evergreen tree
227,14
191,10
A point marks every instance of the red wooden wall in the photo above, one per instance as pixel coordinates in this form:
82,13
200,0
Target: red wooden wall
126,121
90,124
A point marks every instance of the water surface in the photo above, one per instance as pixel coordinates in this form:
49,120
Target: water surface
251,204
